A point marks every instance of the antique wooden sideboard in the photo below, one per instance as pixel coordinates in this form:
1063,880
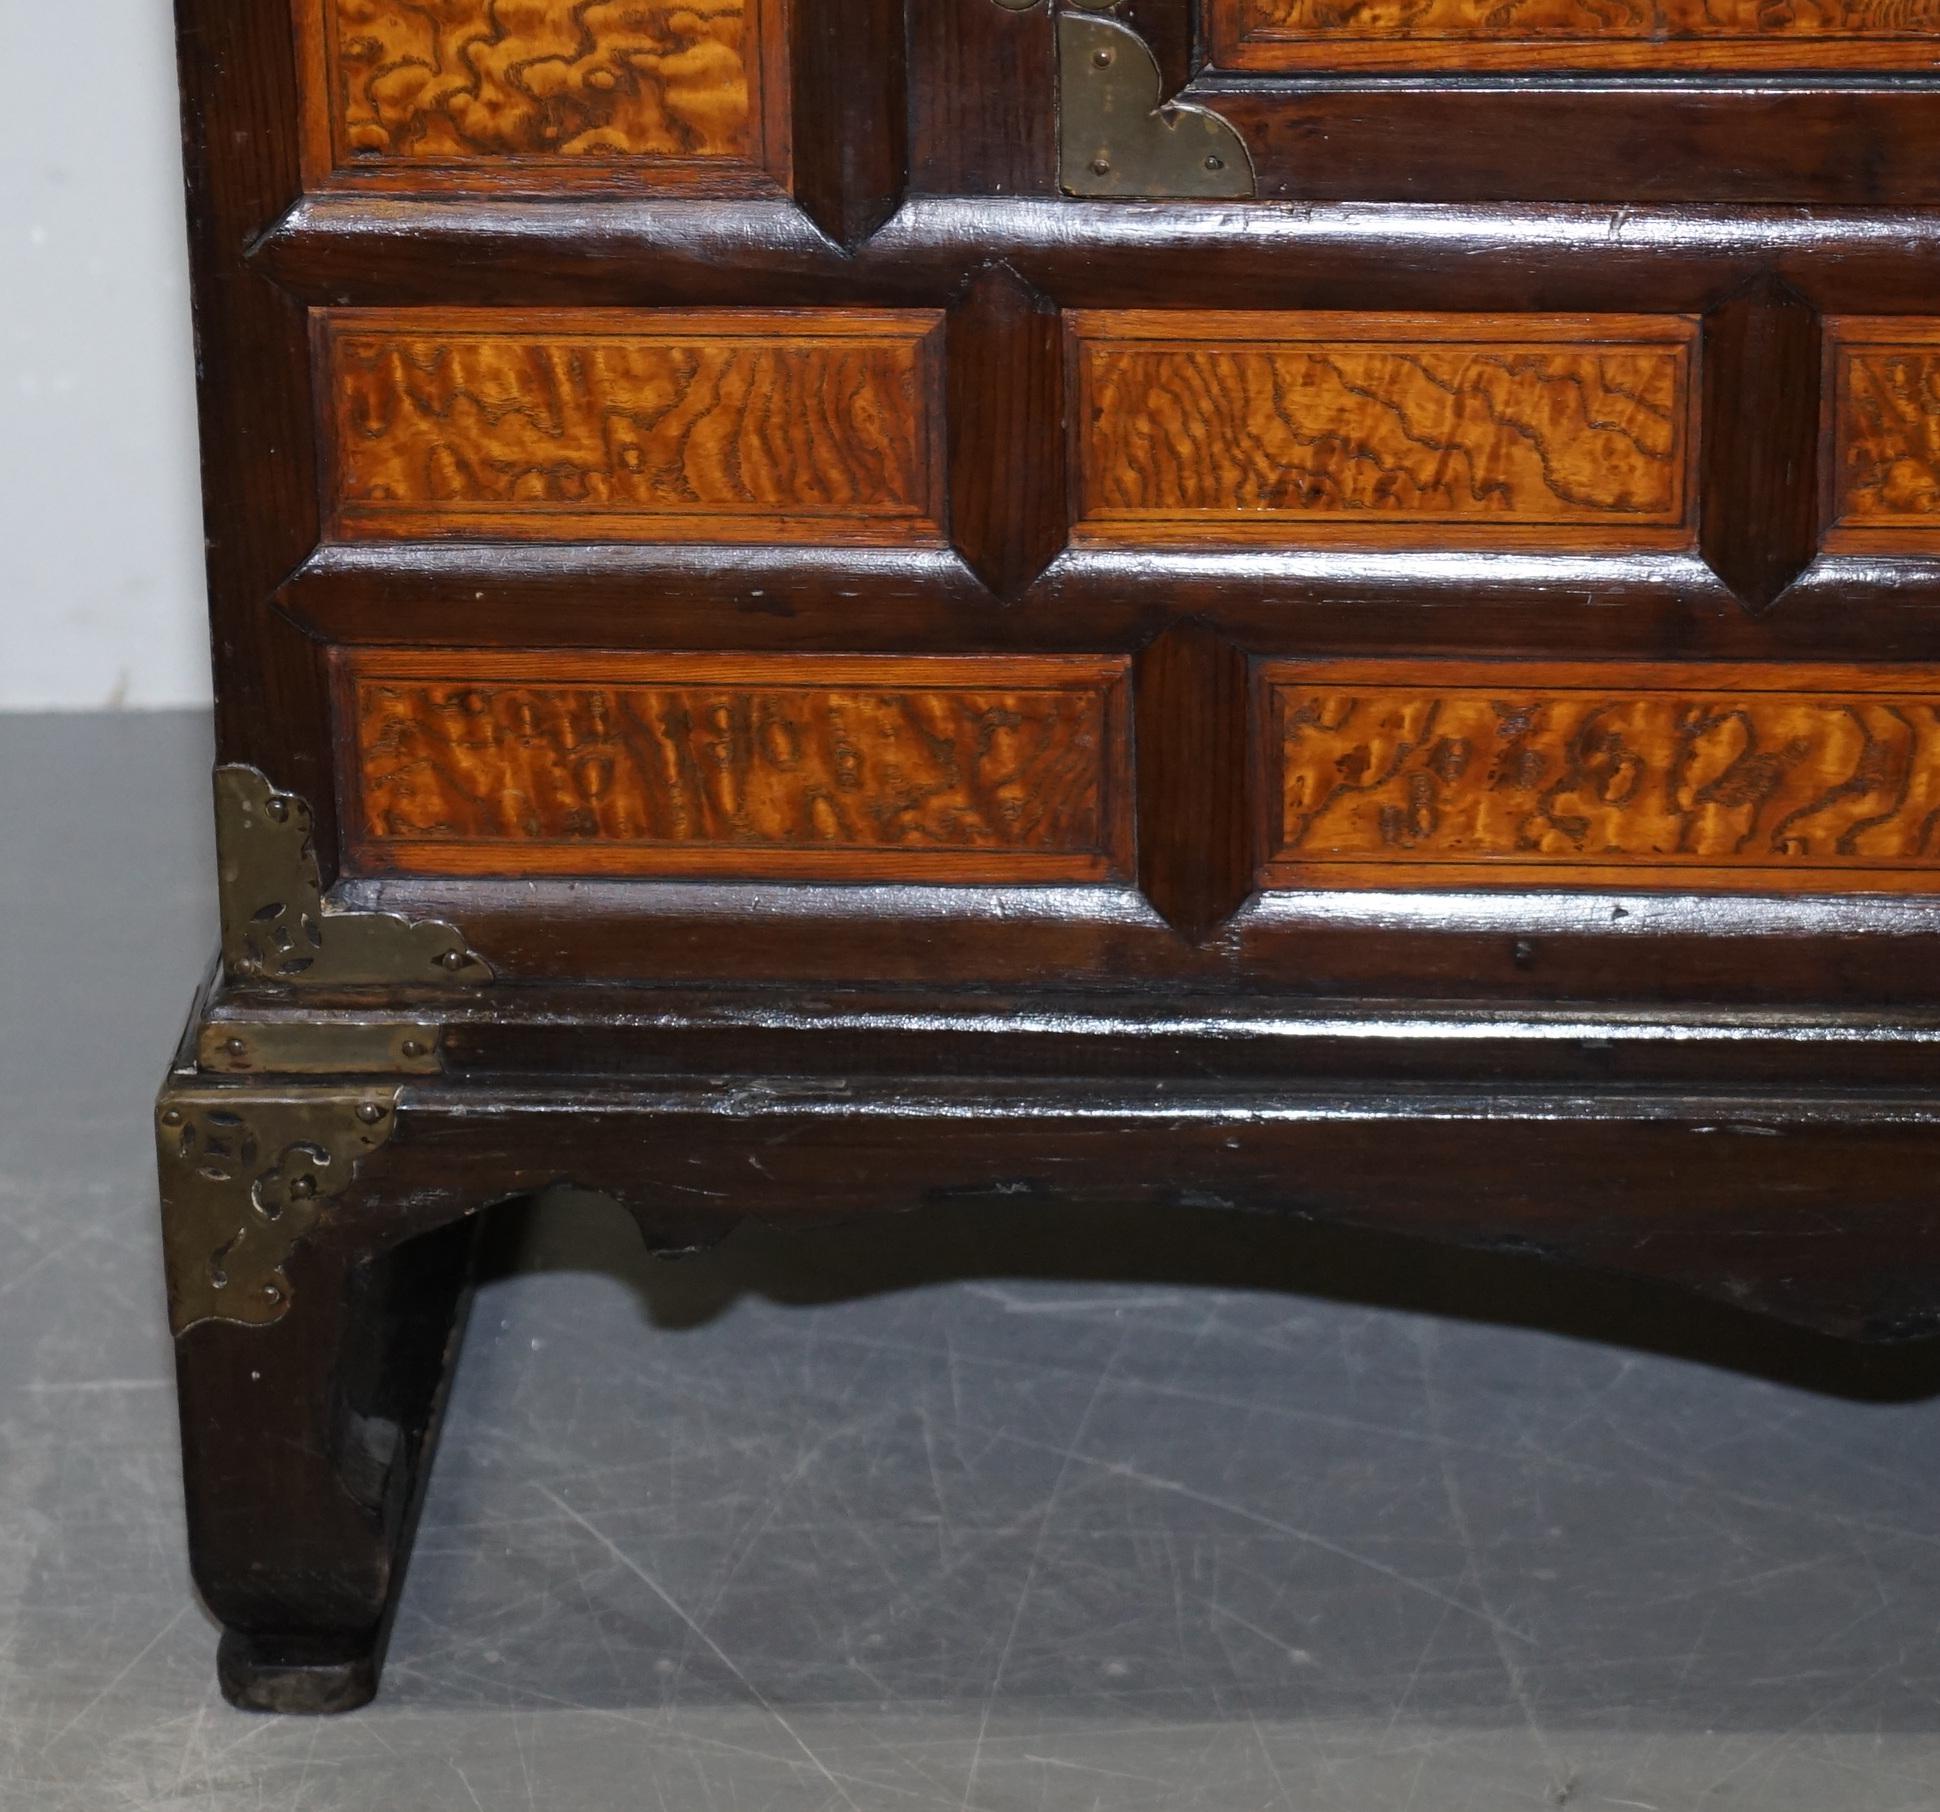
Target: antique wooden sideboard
822,606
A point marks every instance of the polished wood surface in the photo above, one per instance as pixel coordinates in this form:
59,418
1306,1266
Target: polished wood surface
1768,780
736,426
1409,699
1759,463
1449,36
1010,511
937,770
1838,140
1384,428
1882,434
557,92
1195,825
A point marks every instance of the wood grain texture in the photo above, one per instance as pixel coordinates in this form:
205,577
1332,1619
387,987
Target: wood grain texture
848,768
676,92
986,121
1289,36
1531,430
1774,779
737,426
1881,435
851,119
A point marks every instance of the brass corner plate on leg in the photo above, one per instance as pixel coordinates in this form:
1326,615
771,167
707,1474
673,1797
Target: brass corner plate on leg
245,1178
277,926
1118,135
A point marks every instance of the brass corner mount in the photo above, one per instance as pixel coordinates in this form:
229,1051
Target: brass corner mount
1120,138
245,1176
250,1162
278,928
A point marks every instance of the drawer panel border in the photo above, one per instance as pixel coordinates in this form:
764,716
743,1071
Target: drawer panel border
914,519
1741,780
1105,855
1095,336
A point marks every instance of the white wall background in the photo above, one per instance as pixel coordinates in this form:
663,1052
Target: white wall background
100,534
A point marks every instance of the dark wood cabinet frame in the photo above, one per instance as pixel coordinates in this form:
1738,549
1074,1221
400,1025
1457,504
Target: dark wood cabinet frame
1733,1094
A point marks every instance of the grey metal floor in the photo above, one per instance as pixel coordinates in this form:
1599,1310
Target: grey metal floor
960,1515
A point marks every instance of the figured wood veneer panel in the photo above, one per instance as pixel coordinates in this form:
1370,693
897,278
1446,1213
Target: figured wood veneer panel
1454,35
1548,430
1741,778
847,767
762,426
674,91
1882,434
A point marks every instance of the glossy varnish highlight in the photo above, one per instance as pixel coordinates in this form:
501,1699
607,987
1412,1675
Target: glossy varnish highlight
847,768
1769,780
1524,430
749,425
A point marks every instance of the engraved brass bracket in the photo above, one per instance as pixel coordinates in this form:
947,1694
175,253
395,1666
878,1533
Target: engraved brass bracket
1118,135
245,1177
276,925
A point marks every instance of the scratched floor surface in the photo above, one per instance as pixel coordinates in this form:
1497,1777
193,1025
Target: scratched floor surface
958,1515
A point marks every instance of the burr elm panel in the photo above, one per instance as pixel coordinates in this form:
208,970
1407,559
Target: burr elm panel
744,425
846,767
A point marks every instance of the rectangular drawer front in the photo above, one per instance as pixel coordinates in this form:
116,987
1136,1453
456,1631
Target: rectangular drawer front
1453,35
744,425
675,94
845,767
1529,430
1882,435
1746,779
